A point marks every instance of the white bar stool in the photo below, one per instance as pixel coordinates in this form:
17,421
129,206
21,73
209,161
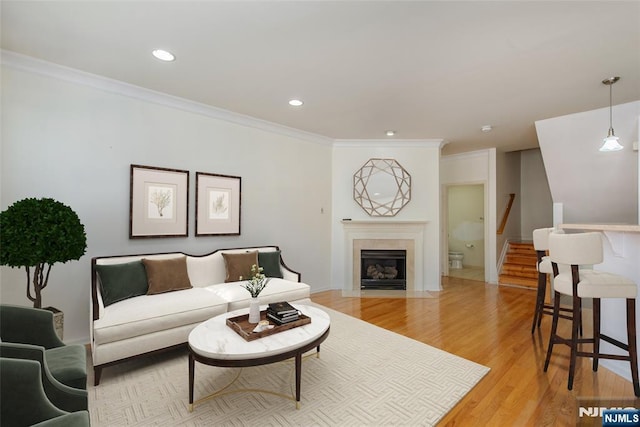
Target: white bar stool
543,265
586,249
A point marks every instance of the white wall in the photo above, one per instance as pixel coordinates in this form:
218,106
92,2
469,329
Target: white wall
537,204
421,159
593,187
473,168
75,143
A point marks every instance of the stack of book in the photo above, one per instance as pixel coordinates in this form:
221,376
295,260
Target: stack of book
282,313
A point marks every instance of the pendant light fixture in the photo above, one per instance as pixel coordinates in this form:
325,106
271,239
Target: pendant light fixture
611,143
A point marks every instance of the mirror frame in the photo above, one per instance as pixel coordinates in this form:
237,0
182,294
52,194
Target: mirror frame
362,194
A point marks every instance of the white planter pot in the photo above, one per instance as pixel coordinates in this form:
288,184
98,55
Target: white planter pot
254,310
58,321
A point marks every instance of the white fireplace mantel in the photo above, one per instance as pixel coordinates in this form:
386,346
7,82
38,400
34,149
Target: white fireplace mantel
358,222
391,230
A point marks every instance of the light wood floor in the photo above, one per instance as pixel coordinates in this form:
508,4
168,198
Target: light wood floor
491,325
471,273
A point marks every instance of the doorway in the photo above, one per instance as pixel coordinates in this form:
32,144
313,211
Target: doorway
466,231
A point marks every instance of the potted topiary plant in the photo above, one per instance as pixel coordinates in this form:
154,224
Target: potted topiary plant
35,234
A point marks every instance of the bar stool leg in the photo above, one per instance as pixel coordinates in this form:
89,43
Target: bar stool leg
542,289
596,332
554,328
633,348
580,318
576,322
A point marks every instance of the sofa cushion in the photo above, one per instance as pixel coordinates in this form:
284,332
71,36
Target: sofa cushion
122,281
151,313
166,275
270,263
205,270
238,265
275,291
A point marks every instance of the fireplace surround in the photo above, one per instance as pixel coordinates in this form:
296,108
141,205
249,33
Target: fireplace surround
387,235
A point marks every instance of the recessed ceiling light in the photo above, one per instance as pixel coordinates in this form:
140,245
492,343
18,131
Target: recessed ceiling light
486,128
164,55
295,103
390,133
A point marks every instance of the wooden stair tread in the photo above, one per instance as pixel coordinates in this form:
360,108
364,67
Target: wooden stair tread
519,267
520,259
520,271
519,281
521,244
522,251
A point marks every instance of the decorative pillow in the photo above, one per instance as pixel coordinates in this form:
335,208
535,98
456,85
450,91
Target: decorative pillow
121,281
270,263
239,265
166,275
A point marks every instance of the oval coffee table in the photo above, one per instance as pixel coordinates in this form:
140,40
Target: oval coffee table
216,344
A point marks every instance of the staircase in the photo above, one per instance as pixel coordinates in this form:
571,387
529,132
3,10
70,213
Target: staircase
519,267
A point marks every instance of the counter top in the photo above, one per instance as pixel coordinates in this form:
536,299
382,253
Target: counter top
624,228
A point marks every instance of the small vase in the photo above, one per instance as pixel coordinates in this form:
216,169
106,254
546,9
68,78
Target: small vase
254,310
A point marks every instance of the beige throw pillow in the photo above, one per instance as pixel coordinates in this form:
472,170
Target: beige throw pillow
166,275
239,265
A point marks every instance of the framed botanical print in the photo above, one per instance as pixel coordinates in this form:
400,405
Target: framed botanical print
217,204
159,199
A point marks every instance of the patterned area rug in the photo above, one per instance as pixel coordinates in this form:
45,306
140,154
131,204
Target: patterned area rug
365,376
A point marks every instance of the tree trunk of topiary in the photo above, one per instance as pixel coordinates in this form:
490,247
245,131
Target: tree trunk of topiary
39,281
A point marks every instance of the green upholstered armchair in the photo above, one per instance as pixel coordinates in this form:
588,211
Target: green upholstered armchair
26,325
24,401
61,395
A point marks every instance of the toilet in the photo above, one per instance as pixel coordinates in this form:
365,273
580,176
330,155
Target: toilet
455,259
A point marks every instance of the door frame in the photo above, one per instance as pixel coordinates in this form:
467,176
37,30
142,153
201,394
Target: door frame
444,230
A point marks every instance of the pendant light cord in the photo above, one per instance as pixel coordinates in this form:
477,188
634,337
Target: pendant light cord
610,108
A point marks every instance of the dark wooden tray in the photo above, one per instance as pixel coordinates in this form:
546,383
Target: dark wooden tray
241,325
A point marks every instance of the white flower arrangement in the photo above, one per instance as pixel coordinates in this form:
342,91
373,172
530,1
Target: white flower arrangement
257,282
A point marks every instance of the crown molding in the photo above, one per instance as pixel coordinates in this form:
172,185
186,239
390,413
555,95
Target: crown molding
27,63
390,143
468,155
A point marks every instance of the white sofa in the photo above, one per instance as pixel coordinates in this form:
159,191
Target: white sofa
142,324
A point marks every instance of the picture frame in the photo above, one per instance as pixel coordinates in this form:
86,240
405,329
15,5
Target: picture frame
158,202
218,201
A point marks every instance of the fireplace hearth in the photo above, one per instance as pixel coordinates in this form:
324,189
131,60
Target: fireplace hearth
383,269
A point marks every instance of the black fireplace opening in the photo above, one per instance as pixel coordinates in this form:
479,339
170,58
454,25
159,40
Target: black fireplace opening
383,269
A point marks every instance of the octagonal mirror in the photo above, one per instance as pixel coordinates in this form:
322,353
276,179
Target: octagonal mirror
382,187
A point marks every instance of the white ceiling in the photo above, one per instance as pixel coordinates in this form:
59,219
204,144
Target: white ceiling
428,69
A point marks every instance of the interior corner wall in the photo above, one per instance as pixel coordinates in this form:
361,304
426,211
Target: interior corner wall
537,204
509,174
423,164
75,143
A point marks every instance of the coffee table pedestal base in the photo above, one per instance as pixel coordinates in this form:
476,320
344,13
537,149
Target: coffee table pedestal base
241,363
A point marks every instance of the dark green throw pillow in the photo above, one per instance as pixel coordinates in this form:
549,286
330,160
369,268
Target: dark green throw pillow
270,263
121,281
